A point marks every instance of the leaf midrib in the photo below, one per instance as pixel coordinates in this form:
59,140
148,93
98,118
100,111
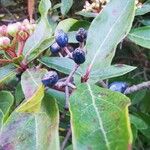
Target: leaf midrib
99,117
108,34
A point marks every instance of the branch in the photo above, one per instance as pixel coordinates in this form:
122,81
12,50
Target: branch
137,87
66,139
67,88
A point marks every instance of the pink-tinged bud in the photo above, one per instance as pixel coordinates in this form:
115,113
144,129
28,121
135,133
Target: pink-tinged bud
25,22
30,28
3,30
12,29
22,36
4,42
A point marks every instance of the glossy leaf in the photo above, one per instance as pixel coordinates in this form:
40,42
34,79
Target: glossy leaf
41,38
6,102
110,72
138,122
33,90
144,9
140,36
64,65
65,6
107,30
66,24
6,73
33,131
99,119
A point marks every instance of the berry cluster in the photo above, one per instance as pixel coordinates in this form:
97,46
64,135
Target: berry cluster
13,34
60,44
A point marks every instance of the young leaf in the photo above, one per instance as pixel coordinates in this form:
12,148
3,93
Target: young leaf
6,73
66,24
32,104
144,9
64,65
33,131
99,119
140,36
33,90
44,7
65,6
107,30
41,38
110,72
6,102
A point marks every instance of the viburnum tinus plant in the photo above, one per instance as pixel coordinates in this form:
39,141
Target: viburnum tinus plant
58,76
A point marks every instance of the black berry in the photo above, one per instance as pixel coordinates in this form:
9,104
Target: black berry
55,48
50,78
78,56
61,38
118,86
81,35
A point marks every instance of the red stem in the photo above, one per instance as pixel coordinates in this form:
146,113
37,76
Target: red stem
20,47
11,53
87,74
5,61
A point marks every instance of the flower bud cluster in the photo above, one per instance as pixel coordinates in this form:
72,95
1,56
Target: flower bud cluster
94,6
138,4
19,30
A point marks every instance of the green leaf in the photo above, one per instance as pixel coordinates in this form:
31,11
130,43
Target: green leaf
66,24
44,7
19,96
33,90
110,72
144,9
33,131
59,96
32,104
65,6
41,39
6,73
99,119
145,21
138,122
134,133
113,24
80,24
87,14
64,65
140,36
6,102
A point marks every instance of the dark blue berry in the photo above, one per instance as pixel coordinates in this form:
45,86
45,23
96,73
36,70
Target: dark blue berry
81,35
118,86
78,56
55,48
50,78
61,38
